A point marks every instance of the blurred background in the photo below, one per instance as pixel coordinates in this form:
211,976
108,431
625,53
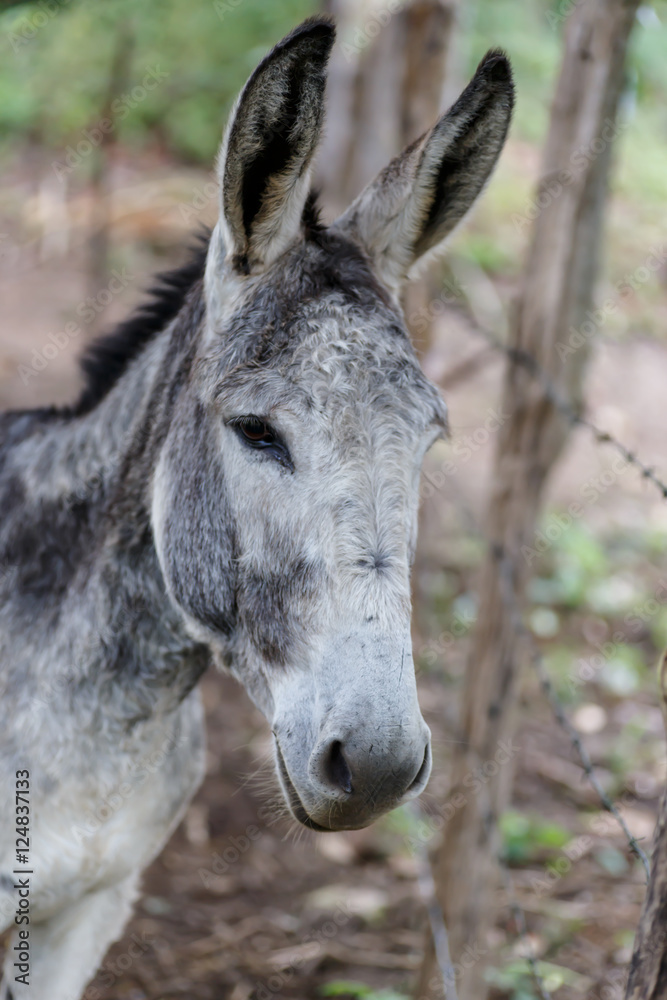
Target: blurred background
110,119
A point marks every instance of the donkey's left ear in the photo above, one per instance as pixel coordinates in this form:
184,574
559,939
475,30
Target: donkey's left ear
267,152
417,200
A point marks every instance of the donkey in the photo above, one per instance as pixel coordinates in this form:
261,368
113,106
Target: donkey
237,485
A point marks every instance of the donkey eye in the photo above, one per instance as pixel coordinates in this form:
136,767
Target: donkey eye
256,433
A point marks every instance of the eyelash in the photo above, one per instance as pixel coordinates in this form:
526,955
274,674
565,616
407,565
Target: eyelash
256,433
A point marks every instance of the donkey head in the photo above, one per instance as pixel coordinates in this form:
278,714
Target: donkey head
286,497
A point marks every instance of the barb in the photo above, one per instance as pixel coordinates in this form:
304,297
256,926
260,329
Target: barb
520,357
506,576
522,932
435,915
525,360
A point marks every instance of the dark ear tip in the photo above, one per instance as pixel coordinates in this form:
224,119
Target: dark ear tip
496,67
318,29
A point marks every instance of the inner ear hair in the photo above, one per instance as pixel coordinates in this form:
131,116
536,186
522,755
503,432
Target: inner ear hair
270,143
481,117
416,201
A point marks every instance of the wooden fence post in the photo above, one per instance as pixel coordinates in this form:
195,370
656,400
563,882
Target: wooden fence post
556,293
648,968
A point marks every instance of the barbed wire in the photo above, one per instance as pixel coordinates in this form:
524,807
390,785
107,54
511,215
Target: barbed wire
527,361
506,575
513,903
522,933
524,359
436,917
438,926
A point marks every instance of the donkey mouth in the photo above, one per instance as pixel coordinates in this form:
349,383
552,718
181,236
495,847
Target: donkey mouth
295,804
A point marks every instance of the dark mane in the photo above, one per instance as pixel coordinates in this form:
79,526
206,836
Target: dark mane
312,216
106,359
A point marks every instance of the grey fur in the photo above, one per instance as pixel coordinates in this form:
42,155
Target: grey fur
142,537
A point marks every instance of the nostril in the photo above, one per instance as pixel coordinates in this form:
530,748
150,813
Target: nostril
423,772
337,770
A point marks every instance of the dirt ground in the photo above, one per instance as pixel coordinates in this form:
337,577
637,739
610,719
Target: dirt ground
240,907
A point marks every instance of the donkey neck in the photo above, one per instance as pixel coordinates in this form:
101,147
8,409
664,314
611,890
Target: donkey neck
75,538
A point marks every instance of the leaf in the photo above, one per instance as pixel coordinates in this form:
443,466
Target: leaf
342,987
524,837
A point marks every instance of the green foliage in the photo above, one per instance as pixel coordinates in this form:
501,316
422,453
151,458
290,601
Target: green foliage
517,979
404,823
344,988
578,559
605,578
526,837
54,70
647,70
486,252
623,671
53,84
523,30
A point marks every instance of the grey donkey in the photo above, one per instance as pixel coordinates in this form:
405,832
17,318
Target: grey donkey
238,485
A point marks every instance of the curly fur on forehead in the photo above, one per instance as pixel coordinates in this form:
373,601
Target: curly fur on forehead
319,333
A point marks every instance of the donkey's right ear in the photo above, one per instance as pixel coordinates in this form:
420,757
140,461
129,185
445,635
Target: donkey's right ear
267,152
415,202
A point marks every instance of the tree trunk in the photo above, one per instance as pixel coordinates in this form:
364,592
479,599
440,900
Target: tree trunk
648,968
556,293
386,80
100,189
